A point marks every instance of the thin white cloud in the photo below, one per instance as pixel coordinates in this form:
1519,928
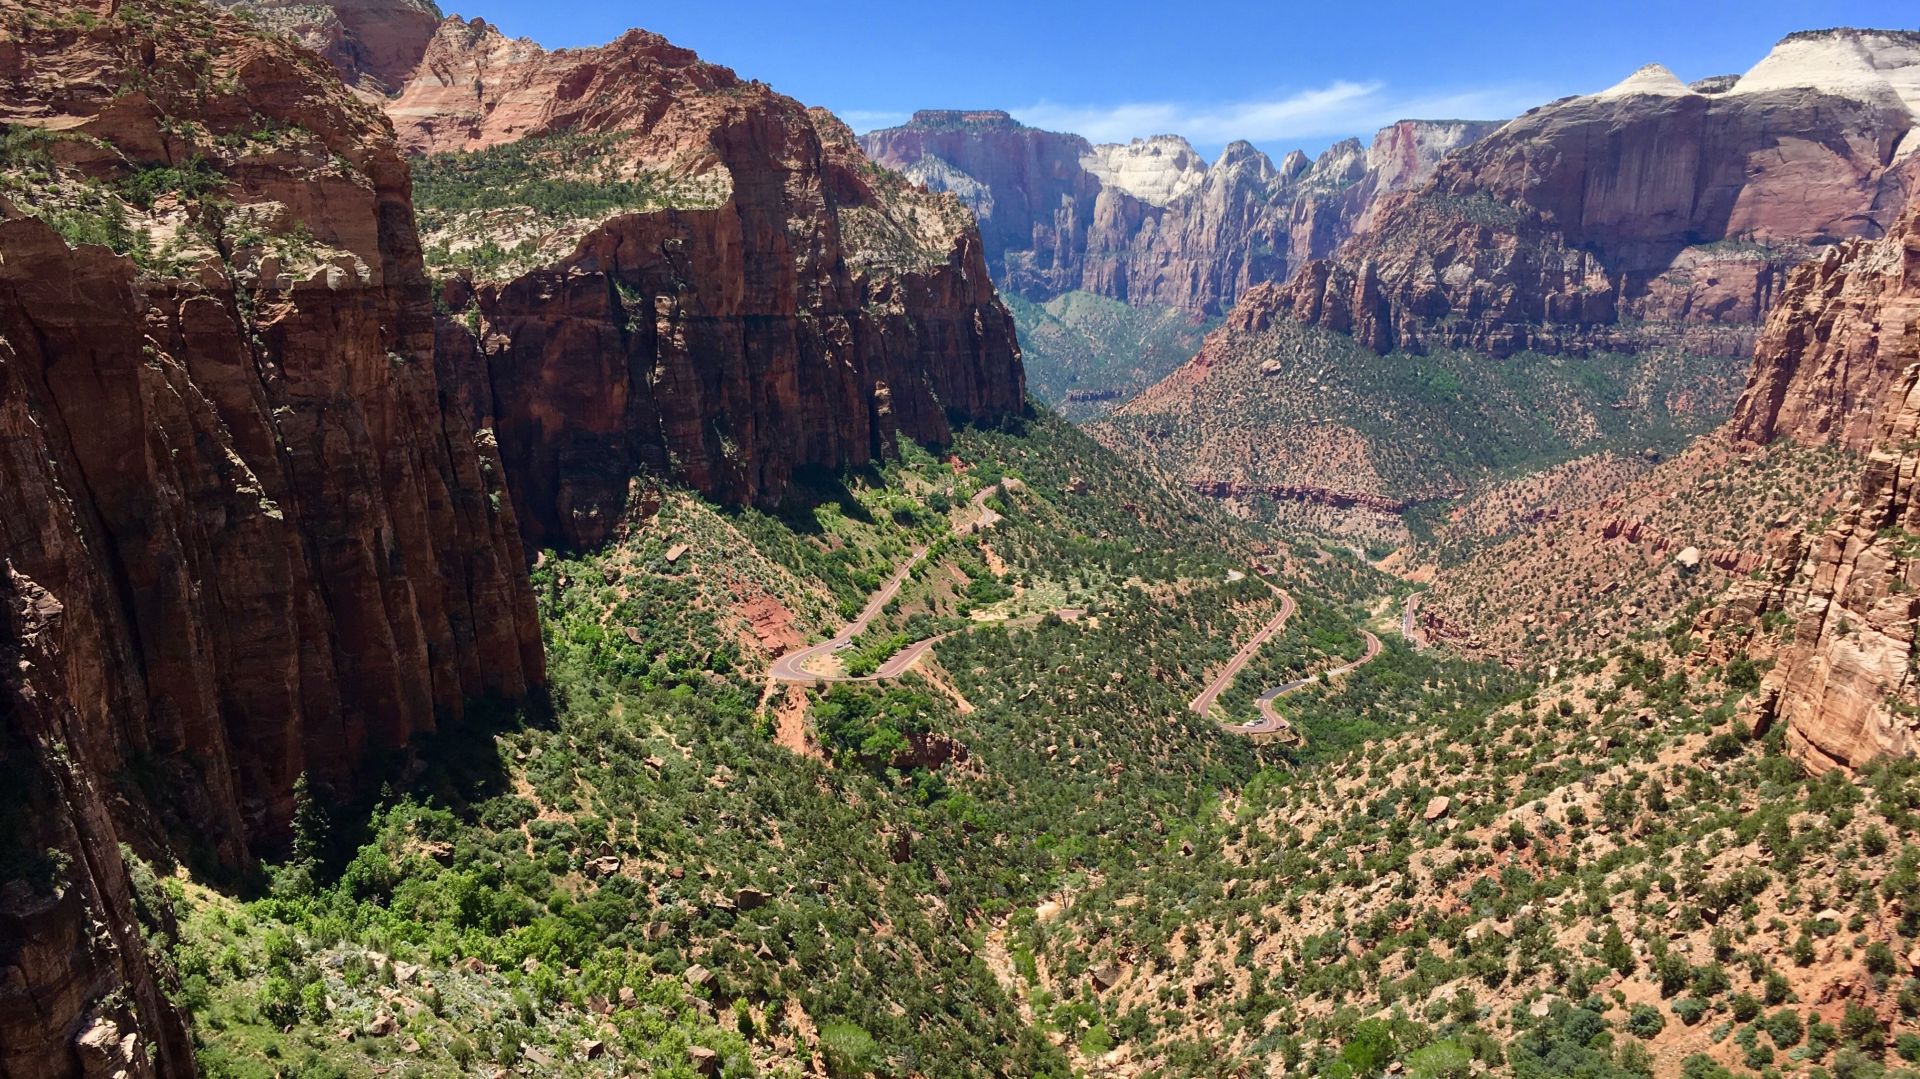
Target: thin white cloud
868,119
1337,109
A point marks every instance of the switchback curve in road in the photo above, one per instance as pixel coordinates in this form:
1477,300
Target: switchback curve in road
1203,704
792,667
1271,721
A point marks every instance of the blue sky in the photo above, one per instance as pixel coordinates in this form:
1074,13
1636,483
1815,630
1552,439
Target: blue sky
1283,75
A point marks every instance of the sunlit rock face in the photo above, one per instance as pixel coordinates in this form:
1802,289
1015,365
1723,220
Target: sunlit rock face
1151,222
1651,202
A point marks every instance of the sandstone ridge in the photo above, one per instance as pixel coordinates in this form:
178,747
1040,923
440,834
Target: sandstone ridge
1650,203
1151,222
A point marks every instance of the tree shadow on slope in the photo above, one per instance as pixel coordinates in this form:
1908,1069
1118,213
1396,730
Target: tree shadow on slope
458,767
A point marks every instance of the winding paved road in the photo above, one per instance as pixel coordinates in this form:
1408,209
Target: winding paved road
1203,704
1271,721
1406,622
792,667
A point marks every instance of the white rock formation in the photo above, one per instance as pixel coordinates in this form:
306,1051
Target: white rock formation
1653,80
937,175
1866,65
1157,170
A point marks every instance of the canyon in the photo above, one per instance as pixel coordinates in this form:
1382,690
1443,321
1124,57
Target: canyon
1151,222
1634,214
428,459
1612,256
267,514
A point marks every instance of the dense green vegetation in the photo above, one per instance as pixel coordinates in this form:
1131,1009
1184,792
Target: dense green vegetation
1085,354
493,209
648,876
642,871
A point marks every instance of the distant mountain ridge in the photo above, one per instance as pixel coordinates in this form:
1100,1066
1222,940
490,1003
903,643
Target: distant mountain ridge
1151,222
1652,202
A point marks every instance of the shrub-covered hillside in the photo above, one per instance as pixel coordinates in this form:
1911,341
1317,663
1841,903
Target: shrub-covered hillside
683,868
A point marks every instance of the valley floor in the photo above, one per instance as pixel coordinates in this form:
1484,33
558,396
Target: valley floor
1030,851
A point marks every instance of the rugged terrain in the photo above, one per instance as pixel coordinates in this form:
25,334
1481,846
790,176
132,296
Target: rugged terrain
1838,367
538,563
1152,222
710,281
1637,213
252,534
1590,277
1783,502
262,500
1306,426
1149,224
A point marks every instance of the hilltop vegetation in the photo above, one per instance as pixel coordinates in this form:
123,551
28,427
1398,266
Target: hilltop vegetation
649,872
507,208
1086,354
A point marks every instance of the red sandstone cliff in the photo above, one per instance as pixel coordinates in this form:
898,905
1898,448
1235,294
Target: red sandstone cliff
248,529
1150,222
1840,363
375,44
1651,202
791,306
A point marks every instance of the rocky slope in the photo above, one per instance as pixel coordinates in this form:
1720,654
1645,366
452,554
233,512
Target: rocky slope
1309,428
1085,354
1151,222
252,531
264,513
375,44
1651,202
1798,511
767,300
1841,364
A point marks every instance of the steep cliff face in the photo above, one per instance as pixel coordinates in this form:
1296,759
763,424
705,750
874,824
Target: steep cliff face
771,301
250,531
1651,201
374,44
1840,363
1151,222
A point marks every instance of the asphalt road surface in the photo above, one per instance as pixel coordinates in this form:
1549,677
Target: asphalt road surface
793,667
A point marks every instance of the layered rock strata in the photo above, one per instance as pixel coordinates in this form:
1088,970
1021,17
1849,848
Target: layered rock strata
1650,202
799,308
1840,364
1151,222
247,530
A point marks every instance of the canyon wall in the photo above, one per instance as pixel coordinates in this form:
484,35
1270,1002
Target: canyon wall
374,44
1151,222
249,531
1652,202
803,309
1840,363
265,513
